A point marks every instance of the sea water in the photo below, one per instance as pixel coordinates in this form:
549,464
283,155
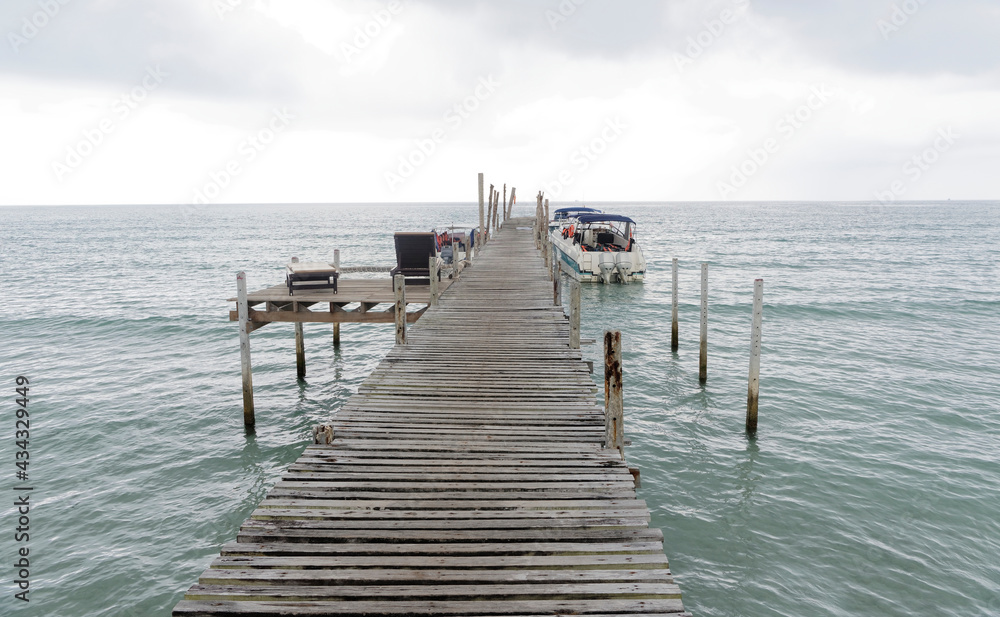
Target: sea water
871,488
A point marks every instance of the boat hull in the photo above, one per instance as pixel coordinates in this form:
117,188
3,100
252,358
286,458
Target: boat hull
585,266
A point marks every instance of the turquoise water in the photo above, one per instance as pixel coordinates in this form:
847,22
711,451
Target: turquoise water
872,487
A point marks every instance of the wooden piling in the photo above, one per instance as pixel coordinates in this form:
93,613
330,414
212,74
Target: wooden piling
399,290
513,199
753,383
557,282
614,434
674,341
703,347
454,255
482,219
574,315
505,202
489,215
244,315
300,348
433,269
336,326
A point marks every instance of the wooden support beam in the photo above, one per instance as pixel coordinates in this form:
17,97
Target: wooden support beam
300,351
399,289
614,434
482,217
574,314
243,313
259,319
433,269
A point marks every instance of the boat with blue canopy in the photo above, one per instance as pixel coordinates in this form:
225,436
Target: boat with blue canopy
597,247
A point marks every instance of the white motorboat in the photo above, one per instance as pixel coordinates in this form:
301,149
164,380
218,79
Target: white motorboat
595,247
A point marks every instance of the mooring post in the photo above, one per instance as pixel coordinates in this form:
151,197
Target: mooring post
753,383
336,326
673,310
557,283
703,347
505,202
574,314
614,434
482,216
489,214
513,199
300,347
399,290
433,269
545,223
244,315
454,255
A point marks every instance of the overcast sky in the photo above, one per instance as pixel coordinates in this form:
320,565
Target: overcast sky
236,101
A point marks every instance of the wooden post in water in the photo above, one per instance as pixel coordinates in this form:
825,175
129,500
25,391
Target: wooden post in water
244,316
703,347
482,219
336,326
433,269
513,198
300,347
399,290
674,342
574,314
614,433
753,383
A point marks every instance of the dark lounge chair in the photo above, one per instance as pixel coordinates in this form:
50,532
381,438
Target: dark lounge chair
413,253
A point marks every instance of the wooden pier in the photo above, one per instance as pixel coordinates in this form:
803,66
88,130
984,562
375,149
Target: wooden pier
466,477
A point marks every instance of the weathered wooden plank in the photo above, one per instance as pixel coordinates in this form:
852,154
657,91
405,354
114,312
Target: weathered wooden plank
339,574
477,549
532,608
439,562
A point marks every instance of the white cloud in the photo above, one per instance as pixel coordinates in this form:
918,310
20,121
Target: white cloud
688,125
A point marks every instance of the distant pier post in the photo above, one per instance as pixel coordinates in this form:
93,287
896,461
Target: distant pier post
614,433
753,383
244,316
399,290
703,347
513,200
504,203
432,267
574,314
674,342
482,217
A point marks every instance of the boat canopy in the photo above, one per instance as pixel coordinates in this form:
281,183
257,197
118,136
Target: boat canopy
563,213
601,218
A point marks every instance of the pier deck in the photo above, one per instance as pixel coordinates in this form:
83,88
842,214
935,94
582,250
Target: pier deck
466,477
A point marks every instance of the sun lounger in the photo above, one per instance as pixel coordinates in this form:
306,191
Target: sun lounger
413,253
310,275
